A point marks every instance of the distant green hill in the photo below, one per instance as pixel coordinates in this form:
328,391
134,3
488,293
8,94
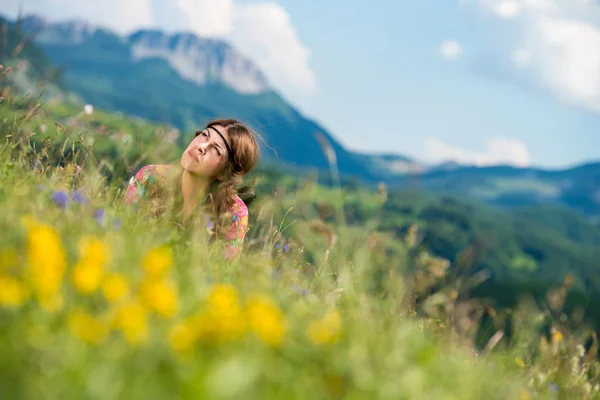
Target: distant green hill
576,188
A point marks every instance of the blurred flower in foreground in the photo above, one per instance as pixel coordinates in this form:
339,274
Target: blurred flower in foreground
115,287
89,271
12,293
132,320
60,198
326,330
222,320
46,263
183,335
158,261
265,319
79,198
160,296
100,216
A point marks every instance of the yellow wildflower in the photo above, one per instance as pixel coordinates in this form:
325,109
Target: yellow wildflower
115,287
132,320
87,276
88,273
158,261
265,319
326,330
86,327
183,335
223,319
12,292
95,250
223,297
46,260
160,296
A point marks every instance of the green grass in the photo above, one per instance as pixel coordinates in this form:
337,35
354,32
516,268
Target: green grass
348,312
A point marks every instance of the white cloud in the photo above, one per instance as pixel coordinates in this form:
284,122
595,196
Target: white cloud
498,150
208,18
263,31
450,49
506,8
521,57
266,33
557,42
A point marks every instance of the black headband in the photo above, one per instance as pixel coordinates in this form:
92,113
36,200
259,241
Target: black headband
229,152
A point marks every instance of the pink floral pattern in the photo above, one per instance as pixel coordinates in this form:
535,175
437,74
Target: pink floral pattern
148,182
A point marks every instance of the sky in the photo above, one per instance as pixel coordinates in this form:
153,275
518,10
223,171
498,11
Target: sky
472,81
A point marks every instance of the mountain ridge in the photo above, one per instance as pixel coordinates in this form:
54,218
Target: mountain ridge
100,68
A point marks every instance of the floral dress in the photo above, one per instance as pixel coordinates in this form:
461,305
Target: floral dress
151,179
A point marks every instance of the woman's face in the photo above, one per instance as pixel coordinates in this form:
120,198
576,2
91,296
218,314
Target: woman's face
206,155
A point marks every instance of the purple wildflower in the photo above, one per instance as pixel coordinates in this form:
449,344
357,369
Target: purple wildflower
79,197
100,216
277,245
286,248
60,198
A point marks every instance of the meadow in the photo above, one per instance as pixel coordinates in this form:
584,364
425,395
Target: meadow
100,301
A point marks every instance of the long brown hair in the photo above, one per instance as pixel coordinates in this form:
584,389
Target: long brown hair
246,152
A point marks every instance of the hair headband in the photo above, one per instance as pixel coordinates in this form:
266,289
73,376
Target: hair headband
229,152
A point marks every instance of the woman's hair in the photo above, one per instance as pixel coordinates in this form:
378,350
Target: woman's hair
245,155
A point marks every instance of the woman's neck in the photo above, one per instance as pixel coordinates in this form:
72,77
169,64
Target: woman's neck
193,189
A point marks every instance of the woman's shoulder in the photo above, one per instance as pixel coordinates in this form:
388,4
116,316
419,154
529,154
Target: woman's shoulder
239,208
146,181
151,172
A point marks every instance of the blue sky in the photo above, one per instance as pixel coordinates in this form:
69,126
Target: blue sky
475,81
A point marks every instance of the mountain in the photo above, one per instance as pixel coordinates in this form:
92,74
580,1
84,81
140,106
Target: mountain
577,188
185,81
390,165
200,60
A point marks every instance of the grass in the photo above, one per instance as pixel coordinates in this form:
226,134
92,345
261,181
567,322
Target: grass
101,301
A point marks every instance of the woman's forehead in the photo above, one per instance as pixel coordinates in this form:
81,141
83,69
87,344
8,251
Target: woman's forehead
219,135
223,131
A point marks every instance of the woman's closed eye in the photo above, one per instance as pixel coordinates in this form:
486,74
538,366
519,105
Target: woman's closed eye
216,149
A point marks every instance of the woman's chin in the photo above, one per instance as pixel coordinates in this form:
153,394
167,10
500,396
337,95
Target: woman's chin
188,164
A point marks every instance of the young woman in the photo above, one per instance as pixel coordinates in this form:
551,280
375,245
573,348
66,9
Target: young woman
205,181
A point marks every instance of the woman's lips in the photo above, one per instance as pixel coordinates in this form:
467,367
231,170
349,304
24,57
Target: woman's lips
194,156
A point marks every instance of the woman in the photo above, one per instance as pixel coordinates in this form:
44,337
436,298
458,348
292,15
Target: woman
209,171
